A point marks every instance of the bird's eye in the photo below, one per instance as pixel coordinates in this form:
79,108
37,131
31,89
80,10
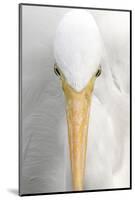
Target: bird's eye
98,72
57,72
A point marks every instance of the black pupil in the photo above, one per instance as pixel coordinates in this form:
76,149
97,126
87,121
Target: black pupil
98,73
57,72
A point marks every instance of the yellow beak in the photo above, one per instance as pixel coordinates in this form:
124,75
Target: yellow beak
77,111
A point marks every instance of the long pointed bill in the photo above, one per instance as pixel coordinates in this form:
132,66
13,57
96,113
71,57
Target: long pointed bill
77,111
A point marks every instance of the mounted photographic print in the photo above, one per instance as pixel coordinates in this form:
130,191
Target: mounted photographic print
74,99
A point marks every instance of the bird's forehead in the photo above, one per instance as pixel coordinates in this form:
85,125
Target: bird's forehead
78,47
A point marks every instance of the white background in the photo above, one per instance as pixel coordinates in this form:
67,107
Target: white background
9,98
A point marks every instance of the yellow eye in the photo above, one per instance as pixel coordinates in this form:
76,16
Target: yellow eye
98,72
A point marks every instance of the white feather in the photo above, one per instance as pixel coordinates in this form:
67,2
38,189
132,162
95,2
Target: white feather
44,157
78,47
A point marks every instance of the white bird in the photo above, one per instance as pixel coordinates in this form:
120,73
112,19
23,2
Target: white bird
80,56
78,52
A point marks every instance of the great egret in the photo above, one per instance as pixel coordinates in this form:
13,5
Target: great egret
78,55
81,54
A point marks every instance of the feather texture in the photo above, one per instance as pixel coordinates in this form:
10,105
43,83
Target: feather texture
44,156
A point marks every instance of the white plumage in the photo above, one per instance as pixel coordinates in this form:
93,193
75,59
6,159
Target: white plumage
78,47
45,159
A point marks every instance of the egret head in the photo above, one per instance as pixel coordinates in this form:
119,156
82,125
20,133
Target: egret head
77,50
